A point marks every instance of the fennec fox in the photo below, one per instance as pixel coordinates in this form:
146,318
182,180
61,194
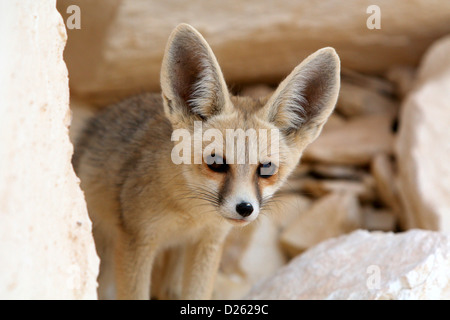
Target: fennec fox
142,202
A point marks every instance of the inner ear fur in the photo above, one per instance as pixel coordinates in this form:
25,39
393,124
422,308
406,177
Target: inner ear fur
306,98
191,80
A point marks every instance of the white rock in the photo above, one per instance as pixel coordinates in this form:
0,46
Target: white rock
364,265
46,247
423,145
119,48
330,216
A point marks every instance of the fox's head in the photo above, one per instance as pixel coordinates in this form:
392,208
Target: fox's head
236,175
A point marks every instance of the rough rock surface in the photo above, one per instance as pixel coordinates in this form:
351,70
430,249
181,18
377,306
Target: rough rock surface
423,144
46,246
364,265
253,42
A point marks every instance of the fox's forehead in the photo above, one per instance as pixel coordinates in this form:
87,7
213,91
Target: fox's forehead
244,116
244,131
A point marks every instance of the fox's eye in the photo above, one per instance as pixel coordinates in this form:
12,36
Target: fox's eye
266,170
216,163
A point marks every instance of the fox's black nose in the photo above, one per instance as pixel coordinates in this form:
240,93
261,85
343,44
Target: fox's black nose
244,209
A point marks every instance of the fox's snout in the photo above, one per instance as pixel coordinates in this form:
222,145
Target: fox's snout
241,202
241,211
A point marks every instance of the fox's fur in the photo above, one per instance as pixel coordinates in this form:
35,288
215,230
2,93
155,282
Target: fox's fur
141,203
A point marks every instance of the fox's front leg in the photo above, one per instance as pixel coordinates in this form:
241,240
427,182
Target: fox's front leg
201,265
133,260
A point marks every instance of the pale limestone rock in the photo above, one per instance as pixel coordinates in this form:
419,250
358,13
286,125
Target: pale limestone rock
383,172
378,219
366,265
330,216
370,82
364,190
423,144
403,78
257,91
337,171
353,143
356,100
334,121
124,40
46,247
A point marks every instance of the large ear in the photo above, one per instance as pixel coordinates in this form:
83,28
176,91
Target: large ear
192,83
304,100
